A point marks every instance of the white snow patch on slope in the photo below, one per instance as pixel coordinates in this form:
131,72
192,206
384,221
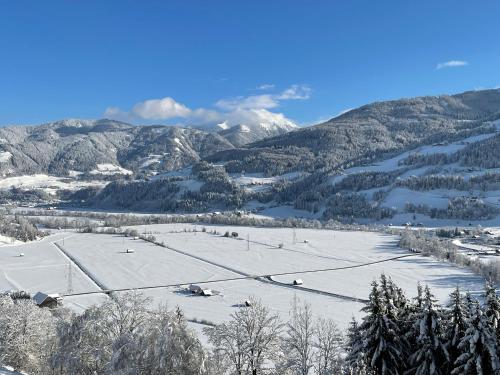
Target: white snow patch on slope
74,173
259,179
5,156
398,198
393,163
150,160
222,126
43,181
110,169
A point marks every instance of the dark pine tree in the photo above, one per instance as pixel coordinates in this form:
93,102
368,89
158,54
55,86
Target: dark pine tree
456,324
382,348
492,308
431,356
478,347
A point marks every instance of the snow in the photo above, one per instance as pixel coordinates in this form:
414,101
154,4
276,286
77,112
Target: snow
74,173
7,370
392,164
43,268
179,173
222,126
48,183
257,181
5,156
198,257
470,246
110,169
205,257
4,240
282,212
398,198
150,160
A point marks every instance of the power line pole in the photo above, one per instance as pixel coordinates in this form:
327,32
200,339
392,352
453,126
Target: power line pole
248,242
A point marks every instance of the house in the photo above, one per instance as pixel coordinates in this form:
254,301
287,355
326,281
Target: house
47,300
195,289
298,282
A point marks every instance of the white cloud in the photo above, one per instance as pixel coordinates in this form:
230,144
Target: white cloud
160,109
451,64
266,86
265,101
248,110
295,92
153,109
257,116
248,102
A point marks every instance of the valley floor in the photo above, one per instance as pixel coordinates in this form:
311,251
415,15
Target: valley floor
336,268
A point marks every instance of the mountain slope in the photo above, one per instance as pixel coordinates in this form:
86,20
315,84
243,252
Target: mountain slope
240,135
364,134
432,157
82,145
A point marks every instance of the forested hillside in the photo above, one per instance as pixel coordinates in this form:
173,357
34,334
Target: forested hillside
409,160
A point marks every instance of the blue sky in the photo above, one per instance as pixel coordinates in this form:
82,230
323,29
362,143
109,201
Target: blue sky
197,62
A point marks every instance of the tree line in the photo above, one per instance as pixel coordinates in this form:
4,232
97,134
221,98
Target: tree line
397,335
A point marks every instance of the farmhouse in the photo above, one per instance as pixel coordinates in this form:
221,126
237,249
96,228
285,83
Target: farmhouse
47,300
196,289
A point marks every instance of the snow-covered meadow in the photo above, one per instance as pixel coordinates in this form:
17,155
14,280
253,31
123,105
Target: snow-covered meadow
194,254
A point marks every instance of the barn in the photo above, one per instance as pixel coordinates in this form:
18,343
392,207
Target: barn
47,300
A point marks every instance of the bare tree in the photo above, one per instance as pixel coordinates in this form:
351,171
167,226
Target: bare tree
329,345
26,333
298,342
126,312
250,339
164,345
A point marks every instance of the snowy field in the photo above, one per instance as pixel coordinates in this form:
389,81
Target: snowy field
42,267
49,184
100,261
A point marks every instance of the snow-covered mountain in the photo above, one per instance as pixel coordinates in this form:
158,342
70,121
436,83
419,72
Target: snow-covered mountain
67,146
427,158
241,134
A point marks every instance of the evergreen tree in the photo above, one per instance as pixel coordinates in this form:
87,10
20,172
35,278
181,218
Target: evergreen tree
355,357
470,305
457,325
419,299
412,312
431,356
383,347
478,347
386,295
492,308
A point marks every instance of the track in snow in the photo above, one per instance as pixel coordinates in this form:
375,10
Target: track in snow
81,267
267,278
